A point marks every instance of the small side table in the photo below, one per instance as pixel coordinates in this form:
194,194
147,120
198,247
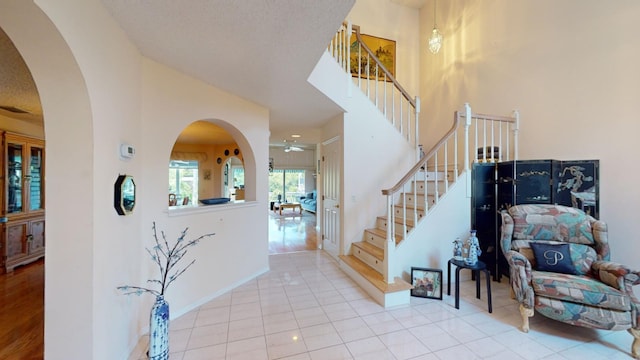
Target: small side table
477,268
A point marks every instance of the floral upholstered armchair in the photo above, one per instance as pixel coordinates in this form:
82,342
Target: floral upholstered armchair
559,265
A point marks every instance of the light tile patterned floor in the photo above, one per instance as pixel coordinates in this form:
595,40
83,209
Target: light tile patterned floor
307,308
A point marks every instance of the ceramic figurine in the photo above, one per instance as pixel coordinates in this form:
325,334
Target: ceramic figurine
474,249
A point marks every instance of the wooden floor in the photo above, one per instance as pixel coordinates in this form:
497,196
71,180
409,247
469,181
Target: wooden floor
292,231
22,313
22,292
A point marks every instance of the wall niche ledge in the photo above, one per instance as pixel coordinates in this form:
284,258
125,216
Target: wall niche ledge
201,209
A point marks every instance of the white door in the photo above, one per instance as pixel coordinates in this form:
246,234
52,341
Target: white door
331,164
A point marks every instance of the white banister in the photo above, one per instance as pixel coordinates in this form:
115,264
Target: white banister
439,168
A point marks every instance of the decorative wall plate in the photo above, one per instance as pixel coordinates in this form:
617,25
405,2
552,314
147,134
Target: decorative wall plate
226,152
219,160
236,151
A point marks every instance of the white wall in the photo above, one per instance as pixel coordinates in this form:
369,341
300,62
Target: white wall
569,67
95,97
431,242
392,21
375,157
237,252
111,73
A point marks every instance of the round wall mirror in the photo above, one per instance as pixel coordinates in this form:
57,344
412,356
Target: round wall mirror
124,199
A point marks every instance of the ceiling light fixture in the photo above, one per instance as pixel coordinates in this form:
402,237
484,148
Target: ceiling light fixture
289,148
435,40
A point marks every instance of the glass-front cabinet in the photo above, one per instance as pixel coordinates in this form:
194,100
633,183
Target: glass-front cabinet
22,219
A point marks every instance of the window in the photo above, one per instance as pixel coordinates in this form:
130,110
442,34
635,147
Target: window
289,183
183,180
238,177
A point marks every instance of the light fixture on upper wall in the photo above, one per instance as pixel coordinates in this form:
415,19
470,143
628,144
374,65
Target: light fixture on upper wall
435,40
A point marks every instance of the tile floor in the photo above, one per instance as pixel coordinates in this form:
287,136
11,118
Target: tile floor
306,308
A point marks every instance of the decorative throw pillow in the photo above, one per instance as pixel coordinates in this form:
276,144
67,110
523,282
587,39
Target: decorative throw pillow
553,258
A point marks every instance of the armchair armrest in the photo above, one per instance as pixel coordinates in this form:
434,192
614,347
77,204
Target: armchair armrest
616,275
619,277
520,270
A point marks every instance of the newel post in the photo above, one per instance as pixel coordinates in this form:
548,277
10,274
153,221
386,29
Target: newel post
417,128
389,244
516,128
467,123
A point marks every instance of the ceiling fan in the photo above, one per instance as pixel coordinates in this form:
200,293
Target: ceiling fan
292,148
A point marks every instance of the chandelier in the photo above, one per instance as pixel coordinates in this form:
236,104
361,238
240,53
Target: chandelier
435,40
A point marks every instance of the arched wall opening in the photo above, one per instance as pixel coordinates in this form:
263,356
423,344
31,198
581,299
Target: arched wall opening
206,165
66,108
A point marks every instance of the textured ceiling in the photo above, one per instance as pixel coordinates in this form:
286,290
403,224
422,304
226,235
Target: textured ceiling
17,89
260,50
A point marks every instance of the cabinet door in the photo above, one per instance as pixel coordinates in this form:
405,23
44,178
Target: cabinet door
15,177
506,196
34,192
16,240
24,175
483,212
35,238
483,200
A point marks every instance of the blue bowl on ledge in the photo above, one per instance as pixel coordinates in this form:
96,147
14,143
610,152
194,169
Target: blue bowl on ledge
215,201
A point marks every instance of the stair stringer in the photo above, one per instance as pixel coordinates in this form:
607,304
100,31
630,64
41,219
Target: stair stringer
430,243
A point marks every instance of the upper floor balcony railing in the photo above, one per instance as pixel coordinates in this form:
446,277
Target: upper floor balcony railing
376,81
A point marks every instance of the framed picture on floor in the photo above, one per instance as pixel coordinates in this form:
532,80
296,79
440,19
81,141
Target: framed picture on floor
427,283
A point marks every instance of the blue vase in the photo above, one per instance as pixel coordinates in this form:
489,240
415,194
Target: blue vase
159,330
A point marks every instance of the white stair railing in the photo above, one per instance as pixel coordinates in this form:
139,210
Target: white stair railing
376,81
431,177
495,138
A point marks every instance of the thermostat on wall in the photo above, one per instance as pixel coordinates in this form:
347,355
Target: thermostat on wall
127,151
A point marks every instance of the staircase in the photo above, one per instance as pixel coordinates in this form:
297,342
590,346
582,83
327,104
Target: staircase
380,263
366,263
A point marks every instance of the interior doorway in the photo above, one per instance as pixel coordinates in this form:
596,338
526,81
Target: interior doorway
331,165
65,100
22,295
291,229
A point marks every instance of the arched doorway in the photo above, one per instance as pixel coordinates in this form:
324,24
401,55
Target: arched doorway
68,284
